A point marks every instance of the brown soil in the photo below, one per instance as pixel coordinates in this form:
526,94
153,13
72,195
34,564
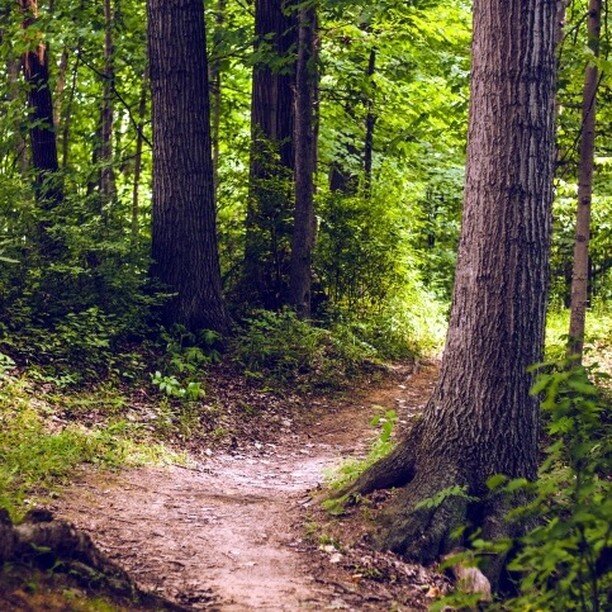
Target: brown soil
229,533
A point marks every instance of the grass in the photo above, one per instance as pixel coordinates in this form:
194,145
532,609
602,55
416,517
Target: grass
598,345
39,453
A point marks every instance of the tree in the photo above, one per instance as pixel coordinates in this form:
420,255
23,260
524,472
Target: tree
304,224
580,274
43,142
481,419
272,157
184,236
105,153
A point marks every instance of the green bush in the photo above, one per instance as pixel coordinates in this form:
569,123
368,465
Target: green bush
279,347
562,562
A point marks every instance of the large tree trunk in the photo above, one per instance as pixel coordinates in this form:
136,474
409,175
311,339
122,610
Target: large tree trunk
48,185
580,275
185,252
304,224
270,204
481,419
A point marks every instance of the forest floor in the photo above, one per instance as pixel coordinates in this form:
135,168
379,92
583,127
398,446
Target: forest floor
243,529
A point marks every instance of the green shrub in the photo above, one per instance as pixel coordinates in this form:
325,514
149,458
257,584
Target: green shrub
279,347
562,562
35,458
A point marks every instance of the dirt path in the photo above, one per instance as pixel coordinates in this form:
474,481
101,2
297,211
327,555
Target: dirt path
225,534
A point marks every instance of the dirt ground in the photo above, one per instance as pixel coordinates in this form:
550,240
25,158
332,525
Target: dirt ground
230,532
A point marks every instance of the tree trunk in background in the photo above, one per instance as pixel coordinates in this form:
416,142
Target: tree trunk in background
47,184
304,225
270,204
185,252
481,419
105,153
580,274
215,86
142,109
67,121
369,124
13,68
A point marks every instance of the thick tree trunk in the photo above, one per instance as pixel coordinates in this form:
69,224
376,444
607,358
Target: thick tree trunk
580,274
481,419
48,185
270,204
185,252
304,225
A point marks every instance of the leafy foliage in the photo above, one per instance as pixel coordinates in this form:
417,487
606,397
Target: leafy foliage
561,563
281,348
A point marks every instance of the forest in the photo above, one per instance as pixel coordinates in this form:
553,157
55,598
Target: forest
305,304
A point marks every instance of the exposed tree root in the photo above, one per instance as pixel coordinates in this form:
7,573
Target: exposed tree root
44,543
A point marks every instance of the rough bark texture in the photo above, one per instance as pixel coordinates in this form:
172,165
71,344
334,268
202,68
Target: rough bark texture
185,249
580,274
270,205
304,228
48,186
481,419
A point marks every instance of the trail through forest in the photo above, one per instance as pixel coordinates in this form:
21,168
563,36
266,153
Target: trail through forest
228,533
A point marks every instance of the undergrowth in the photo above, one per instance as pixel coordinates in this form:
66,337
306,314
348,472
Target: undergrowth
563,561
348,471
281,349
38,453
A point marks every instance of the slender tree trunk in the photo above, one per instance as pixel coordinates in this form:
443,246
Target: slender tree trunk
185,252
580,274
142,109
481,419
105,153
48,185
304,226
215,85
369,124
60,86
67,121
270,203
13,68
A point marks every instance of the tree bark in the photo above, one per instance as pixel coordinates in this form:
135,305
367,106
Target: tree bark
580,272
185,252
48,187
304,225
481,419
270,203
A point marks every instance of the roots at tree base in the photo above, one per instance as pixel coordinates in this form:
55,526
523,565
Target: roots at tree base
433,500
